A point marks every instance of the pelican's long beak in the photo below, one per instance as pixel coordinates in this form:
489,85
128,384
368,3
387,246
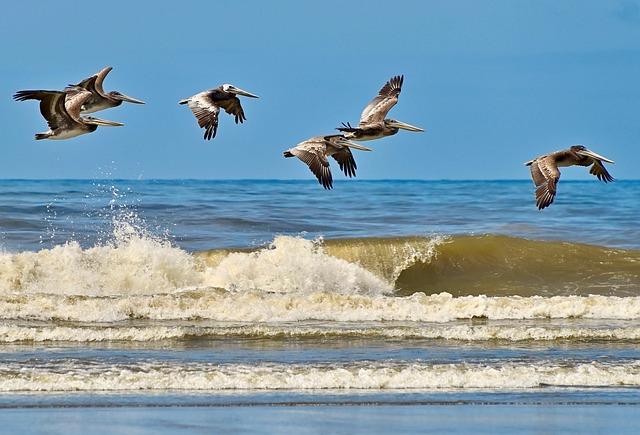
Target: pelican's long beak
596,156
404,126
129,99
356,146
103,122
239,91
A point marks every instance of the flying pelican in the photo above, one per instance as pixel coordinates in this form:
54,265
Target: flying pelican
206,106
545,173
99,99
314,153
62,113
373,124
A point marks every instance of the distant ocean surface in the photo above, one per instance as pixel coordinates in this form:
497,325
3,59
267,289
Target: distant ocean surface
169,292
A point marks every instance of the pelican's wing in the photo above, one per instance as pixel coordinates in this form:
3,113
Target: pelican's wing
312,153
93,84
600,171
52,106
74,101
345,159
545,175
76,91
378,108
233,107
206,112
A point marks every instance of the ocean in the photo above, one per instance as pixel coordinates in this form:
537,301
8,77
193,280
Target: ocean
244,305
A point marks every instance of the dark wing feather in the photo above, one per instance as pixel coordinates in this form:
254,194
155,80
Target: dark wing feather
52,106
378,108
545,175
206,112
313,156
347,128
600,171
345,159
233,107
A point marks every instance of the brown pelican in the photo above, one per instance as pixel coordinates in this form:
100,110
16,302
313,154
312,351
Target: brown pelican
545,173
373,124
206,106
99,99
314,153
62,112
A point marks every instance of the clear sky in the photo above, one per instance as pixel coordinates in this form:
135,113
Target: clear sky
494,83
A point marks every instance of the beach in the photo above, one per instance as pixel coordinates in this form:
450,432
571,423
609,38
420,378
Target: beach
142,305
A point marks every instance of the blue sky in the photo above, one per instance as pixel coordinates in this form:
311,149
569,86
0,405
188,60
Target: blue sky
494,83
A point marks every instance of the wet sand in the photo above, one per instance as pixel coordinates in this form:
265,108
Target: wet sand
322,419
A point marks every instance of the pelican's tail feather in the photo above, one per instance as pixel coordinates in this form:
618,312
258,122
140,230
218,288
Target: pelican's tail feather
347,128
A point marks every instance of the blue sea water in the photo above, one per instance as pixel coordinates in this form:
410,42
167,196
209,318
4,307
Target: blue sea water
201,215
283,300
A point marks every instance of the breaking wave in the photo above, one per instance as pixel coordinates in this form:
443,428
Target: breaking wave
82,375
136,264
259,306
293,279
510,332
139,265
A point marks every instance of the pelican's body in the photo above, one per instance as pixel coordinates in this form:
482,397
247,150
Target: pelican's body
62,113
545,172
315,152
99,99
206,107
373,124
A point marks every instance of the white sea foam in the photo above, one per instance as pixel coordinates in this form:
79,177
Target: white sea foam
136,264
144,333
293,264
259,306
133,264
76,375
293,279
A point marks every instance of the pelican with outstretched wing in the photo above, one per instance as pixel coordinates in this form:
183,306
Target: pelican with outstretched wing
206,107
545,172
62,112
314,152
99,99
373,124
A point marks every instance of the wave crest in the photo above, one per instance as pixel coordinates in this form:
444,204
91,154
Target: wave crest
136,264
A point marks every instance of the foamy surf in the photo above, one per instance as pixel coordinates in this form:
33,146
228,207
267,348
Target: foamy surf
96,376
510,332
137,264
291,280
259,306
